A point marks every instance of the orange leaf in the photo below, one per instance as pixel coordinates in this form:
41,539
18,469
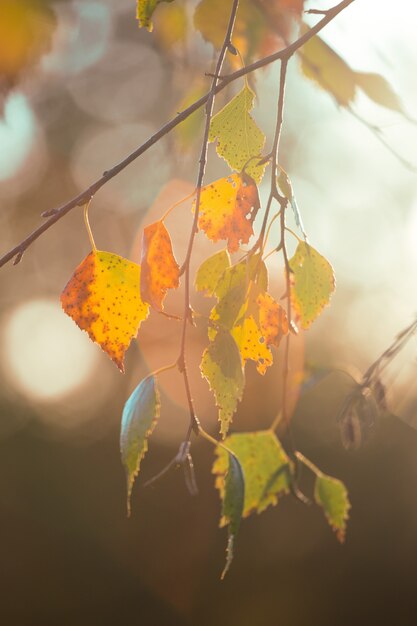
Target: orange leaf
273,321
160,270
227,209
102,298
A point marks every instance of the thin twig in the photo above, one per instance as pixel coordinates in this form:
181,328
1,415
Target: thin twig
57,213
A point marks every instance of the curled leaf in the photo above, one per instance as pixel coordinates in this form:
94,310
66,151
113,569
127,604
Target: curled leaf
285,186
160,270
103,298
139,418
239,139
221,366
233,501
312,283
228,208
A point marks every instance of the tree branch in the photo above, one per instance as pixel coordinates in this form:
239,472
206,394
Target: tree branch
56,214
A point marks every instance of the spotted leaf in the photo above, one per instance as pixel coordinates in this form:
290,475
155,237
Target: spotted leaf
228,208
331,494
160,270
103,298
273,321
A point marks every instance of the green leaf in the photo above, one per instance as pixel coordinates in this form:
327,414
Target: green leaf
285,186
145,10
221,366
379,90
312,283
238,137
233,501
331,494
266,468
210,272
139,418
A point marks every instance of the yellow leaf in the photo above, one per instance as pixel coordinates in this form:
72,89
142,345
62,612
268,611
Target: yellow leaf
239,139
228,208
273,321
312,283
103,298
322,64
145,10
160,270
379,90
252,344
265,465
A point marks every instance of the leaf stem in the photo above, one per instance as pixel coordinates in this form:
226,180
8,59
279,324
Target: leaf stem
171,208
87,225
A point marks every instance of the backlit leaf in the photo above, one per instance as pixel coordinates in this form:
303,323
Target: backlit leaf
139,418
160,270
265,465
233,502
222,367
322,64
228,208
145,10
312,283
273,321
379,90
252,344
171,25
238,137
210,272
103,298
332,495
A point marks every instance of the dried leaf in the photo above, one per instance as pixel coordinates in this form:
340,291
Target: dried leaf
221,366
312,283
265,465
239,140
103,298
228,208
139,418
160,270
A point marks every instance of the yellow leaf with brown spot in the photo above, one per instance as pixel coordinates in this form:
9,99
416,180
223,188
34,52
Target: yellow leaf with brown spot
273,321
228,208
160,270
103,298
252,344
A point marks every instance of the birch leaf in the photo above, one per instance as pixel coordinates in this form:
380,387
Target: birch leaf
210,272
252,344
145,10
233,502
228,208
160,270
273,321
266,469
331,494
103,298
139,418
239,139
221,366
312,283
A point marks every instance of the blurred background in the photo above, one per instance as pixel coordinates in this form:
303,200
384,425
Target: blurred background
81,86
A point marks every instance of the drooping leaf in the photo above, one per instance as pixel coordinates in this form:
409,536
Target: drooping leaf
273,321
233,502
145,10
222,367
228,208
252,344
232,289
331,494
265,465
210,272
239,139
139,418
379,90
285,186
160,270
312,283
103,298
323,65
